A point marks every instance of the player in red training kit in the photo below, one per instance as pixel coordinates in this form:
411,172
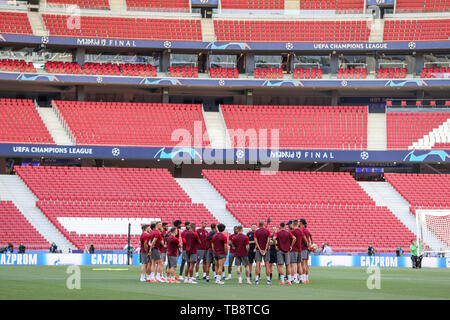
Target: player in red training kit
241,244
173,245
305,252
231,254
144,253
192,243
202,250
220,247
262,237
283,243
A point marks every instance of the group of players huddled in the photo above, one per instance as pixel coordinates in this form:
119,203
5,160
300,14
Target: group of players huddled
287,245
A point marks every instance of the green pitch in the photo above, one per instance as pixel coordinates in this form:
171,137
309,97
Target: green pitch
49,282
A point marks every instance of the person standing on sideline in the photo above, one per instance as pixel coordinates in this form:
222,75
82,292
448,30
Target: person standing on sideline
413,249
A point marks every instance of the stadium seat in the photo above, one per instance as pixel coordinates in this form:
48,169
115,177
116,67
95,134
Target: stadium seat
332,203
125,28
416,30
20,123
75,197
160,5
422,6
12,65
252,4
16,229
15,23
131,124
340,6
301,127
84,4
403,129
292,31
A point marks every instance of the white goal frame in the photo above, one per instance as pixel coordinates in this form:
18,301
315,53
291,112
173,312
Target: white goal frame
426,235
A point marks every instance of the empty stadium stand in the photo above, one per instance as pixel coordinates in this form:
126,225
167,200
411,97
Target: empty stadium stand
268,73
296,31
15,23
125,28
95,68
436,72
12,65
307,73
131,124
416,30
391,73
352,73
241,186
422,190
16,229
20,122
252,4
83,4
340,6
337,209
406,128
105,223
84,203
138,69
350,229
223,72
63,67
185,72
422,6
315,127
160,5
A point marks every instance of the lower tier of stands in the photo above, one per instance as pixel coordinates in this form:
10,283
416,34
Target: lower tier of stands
344,228
105,223
16,229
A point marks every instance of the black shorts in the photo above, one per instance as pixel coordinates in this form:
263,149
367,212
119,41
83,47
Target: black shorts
273,256
251,256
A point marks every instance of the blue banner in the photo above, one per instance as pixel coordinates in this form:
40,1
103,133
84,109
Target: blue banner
254,46
220,156
379,2
168,81
115,259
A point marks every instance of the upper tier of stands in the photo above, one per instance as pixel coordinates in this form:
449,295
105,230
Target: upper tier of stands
296,31
317,127
421,5
15,23
252,4
417,30
337,209
172,5
422,190
133,124
405,128
83,4
16,229
20,122
343,6
125,28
